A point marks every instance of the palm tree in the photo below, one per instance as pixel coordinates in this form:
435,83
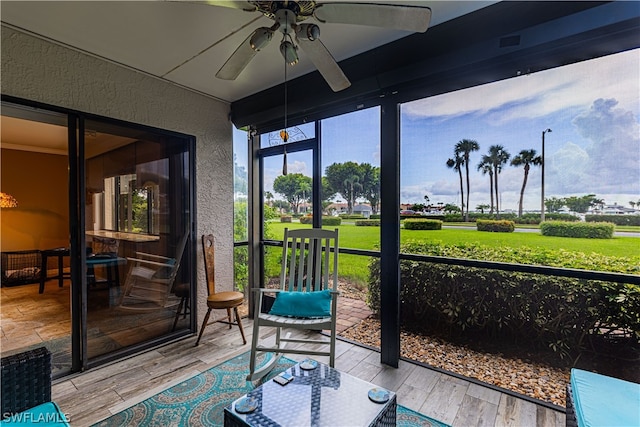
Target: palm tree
526,158
269,196
486,167
353,184
464,148
456,164
499,156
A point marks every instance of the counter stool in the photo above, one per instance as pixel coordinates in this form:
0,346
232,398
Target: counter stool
182,291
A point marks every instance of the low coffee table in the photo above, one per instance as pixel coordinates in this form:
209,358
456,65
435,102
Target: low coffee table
318,397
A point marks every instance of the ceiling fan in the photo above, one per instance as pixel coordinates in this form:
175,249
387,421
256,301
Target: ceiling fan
289,17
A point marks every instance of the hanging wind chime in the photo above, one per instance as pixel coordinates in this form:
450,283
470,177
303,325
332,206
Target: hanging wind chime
284,134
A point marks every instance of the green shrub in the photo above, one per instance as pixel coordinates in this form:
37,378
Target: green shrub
497,226
285,218
307,219
368,223
331,220
374,216
559,313
453,218
352,216
615,219
422,224
591,230
326,220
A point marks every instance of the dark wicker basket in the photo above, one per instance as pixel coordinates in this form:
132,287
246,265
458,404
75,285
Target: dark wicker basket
26,380
21,267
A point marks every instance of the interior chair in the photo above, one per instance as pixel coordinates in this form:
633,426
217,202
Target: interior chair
225,300
150,280
306,299
103,256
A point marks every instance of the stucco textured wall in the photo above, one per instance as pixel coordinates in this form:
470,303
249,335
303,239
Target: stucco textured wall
42,71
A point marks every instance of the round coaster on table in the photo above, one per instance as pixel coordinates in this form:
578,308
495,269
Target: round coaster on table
379,395
246,405
308,364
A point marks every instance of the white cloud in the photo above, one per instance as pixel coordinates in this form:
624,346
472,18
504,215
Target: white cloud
543,93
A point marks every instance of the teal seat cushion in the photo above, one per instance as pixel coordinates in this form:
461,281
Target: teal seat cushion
46,414
302,304
600,400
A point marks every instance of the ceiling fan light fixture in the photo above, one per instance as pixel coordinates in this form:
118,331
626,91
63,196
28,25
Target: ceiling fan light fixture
309,32
260,38
289,52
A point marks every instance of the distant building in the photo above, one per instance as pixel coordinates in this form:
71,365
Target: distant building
364,210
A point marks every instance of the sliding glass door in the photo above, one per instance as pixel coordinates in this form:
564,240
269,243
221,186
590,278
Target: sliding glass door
137,222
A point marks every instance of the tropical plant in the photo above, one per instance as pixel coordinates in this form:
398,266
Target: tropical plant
371,185
486,168
464,149
498,156
456,164
583,203
525,158
341,178
553,204
482,207
290,186
269,196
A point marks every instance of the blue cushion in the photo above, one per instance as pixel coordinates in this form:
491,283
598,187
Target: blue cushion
302,304
46,414
600,400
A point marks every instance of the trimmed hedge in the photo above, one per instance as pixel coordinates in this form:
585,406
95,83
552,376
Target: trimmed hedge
559,313
326,220
368,223
497,226
422,224
353,216
527,218
587,230
615,219
285,218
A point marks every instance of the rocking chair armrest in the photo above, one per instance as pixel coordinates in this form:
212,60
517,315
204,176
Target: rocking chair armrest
148,262
148,255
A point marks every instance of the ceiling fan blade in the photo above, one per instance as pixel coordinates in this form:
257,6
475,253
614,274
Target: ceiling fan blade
237,61
399,17
234,4
324,62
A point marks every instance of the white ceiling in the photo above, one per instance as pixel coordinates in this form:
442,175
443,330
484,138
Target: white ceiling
187,42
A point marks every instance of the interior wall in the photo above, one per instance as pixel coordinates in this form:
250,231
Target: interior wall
38,70
39,182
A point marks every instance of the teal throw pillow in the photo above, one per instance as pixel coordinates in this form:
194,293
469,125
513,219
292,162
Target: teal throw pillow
302,304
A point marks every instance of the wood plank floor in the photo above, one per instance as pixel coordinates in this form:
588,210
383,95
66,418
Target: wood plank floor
92,396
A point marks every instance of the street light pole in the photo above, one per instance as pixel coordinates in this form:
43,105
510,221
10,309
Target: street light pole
542,189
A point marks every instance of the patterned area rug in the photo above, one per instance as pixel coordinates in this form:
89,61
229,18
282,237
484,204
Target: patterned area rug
200,400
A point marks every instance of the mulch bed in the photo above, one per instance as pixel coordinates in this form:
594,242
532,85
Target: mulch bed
525,377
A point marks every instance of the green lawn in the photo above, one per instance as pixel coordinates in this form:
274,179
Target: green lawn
368,237
354,267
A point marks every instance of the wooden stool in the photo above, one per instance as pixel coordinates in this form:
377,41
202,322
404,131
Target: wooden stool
221,300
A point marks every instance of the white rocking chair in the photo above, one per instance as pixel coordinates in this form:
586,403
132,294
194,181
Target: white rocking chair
306,299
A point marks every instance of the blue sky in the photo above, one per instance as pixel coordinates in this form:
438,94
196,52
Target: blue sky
594,147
